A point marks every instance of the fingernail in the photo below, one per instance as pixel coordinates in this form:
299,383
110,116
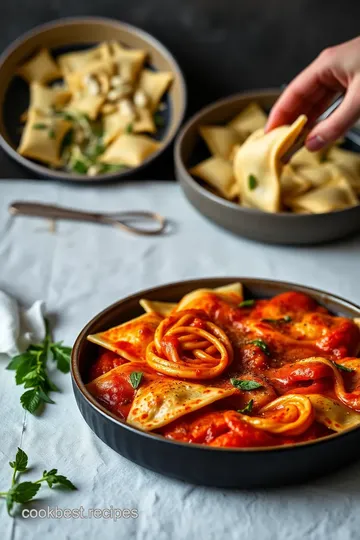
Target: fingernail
315,143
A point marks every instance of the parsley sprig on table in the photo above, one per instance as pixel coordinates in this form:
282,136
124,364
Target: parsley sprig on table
25,491
31,370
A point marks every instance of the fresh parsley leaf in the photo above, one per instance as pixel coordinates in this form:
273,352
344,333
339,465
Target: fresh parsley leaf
30,400
252,182
135,378
247,303
261,344
344,368
52,133
24,492
62,356
79,167
248,408
245,384
44,396
17,361
40,125
21,461
108,167
52,478
31,370
129,128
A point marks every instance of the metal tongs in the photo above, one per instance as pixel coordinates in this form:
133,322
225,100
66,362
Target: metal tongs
151,222
353,135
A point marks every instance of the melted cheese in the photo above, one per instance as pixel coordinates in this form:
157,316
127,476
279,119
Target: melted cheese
160,402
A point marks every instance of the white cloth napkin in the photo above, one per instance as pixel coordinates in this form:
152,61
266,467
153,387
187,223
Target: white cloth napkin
20,327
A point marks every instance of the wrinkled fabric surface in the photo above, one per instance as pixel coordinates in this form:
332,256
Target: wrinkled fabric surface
82,268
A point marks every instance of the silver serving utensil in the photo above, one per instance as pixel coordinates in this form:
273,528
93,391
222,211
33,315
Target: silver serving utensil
352,135
300,141
122,220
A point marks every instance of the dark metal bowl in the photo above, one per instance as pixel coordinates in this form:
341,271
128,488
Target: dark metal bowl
70,34
222,467
281,228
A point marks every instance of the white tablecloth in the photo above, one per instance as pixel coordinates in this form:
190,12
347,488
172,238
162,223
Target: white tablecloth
79,270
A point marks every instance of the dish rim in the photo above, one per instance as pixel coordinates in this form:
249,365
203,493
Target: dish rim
251,94
81,387
45,171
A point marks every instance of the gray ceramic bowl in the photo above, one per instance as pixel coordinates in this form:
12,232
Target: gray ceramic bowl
222,467
65,35
282,228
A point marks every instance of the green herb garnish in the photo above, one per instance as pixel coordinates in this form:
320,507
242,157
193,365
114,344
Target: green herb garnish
31,370
252,182
40,126
129,128
248,408
24,492
159,120
285,319
344,368
108,167
135,378
261,344
247,303
245,384
79,167
52,133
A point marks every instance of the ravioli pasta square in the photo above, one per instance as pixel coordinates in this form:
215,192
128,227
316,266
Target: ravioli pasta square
258,166
220,140
155,84
144,122
218,173
335,195
249,120
41,68
292,183
114,124
42,138
45,98
89,105
130,150
75,61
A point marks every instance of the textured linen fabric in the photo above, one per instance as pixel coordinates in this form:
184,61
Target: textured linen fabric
82,268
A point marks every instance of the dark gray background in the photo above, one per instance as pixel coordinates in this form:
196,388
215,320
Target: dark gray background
223,46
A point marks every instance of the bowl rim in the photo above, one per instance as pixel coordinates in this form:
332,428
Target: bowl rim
100,409
202,191
45,171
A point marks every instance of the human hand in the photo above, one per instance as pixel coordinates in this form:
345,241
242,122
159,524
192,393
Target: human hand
335,70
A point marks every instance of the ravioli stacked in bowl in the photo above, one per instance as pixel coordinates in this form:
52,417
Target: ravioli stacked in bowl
93,111
246,167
